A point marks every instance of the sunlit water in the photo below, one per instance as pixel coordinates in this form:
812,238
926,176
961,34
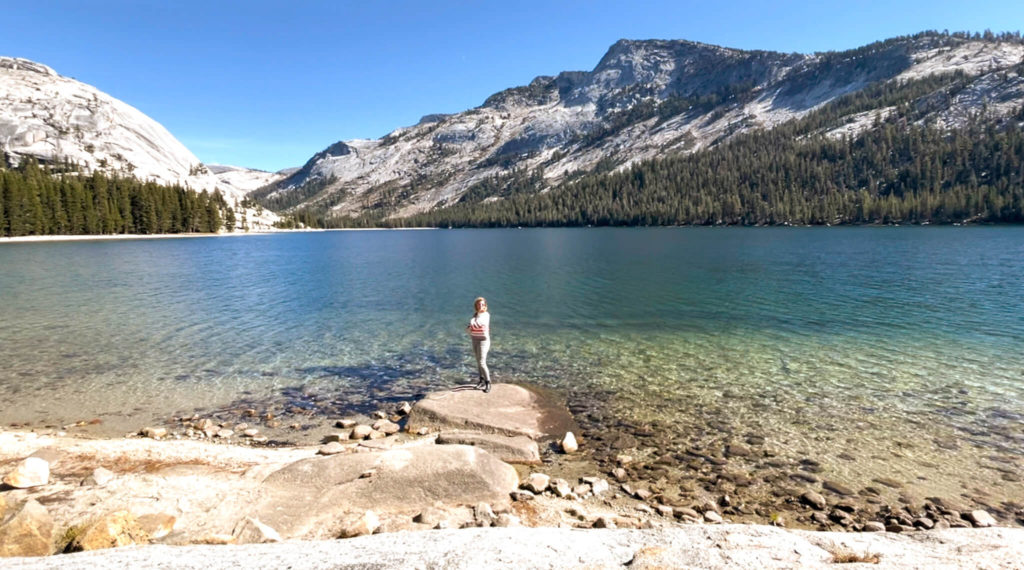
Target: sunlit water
903,347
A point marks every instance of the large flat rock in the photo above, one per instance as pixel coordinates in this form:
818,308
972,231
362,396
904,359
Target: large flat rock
509,448
508,409
308,498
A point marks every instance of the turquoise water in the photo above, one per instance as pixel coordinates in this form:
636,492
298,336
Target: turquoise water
904,344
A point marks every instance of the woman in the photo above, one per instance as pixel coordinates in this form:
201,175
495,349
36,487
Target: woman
480,331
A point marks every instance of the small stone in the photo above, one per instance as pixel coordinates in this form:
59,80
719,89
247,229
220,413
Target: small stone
483,515
813,500
251,432
249,413
29,532
386,427
241,427
225,433
403,409
736,450
712,517
522,496
423,431
581,490
205,424
379,415
687,513
342,436
560,487
99,477
924,522
157,525
642,494
273,424
332,448
604,522
360,525
154,432
619,474
599,487
645,509
666,511
29,472
568,443
505,520
838,488
110,531
873,526
537,482
429,516
942,525
980,518
361,431
345,424
375,434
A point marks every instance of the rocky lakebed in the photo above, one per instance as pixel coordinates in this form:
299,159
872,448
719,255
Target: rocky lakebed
517,458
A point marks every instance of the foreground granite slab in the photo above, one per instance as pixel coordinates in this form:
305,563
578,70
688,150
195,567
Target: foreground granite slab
508,409
517,449
698,546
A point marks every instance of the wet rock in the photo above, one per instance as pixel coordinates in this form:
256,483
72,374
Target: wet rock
891,483
980,518
379,415
403,409
813,500
252,531
29,472
157,525
99,477
803,477
568,443
28,532
837,488
110,531
873,526
154,432
847,505
359,525
755,440
537,482
736,450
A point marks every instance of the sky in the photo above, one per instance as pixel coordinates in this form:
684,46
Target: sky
267,84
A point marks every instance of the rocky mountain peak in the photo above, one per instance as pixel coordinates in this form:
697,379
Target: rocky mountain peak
19,64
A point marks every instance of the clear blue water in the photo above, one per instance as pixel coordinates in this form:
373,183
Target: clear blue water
904,344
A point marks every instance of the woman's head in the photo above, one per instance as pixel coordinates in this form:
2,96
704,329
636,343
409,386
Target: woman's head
480,305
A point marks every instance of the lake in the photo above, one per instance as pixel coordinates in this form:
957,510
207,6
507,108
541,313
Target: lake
871,351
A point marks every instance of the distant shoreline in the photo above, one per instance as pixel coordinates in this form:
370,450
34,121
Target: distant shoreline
113,237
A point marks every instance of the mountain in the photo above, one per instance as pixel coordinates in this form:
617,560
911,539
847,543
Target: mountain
53,119
643,100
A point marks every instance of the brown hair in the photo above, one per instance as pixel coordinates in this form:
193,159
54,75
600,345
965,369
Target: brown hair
480,305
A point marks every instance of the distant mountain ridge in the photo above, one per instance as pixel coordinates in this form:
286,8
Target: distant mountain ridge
644,99
53,119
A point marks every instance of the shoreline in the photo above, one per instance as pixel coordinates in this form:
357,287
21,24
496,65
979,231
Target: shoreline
118,237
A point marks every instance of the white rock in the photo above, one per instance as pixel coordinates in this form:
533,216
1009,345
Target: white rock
361,431
154,432
981,518
30,472
537,482
99,477
569,444
599,487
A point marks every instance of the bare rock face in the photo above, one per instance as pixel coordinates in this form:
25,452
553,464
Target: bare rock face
30,472
507,409
510,449
110,531
28,532
307,498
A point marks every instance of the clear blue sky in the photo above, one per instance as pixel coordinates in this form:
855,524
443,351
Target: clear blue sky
267,84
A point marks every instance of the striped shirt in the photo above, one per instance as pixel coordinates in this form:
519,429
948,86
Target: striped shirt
480,326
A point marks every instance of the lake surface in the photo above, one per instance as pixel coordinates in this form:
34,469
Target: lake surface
899,349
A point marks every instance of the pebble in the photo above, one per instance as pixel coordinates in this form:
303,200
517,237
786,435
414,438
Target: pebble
619,474
225,433
154,432
568,443
873,526
342,436
604,522
99,477
837,488
598,487
813,499
345,424
251,432
712,517
404,409
736,450
560,487
537,482
361,431
332,448
980,518
522,496
687,512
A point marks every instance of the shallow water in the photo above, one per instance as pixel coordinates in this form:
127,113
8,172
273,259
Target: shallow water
899,347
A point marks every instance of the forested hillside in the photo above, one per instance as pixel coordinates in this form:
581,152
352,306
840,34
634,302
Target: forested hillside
899,170
38,201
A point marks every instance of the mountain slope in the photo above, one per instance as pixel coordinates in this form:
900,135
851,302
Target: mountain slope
53,119
644,99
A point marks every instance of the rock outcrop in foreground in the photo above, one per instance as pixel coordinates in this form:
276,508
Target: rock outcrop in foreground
724,546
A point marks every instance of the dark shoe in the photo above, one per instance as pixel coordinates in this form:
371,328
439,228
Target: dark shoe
487,387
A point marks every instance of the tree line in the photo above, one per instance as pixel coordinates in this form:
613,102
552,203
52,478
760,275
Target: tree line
40,200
